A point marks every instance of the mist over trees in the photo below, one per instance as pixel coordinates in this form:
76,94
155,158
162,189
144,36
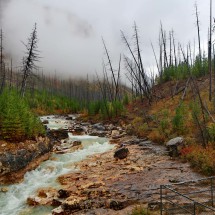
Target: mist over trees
105,94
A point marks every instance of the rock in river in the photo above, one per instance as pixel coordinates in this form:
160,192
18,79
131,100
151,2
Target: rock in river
58,134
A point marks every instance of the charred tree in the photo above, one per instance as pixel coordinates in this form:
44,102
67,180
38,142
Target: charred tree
198,31
2,65
210,53
138,71
30,59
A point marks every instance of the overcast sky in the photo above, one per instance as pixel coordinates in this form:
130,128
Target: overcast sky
70,31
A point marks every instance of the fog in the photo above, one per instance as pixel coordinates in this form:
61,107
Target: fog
70,31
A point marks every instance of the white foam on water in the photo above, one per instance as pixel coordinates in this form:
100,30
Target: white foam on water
13,202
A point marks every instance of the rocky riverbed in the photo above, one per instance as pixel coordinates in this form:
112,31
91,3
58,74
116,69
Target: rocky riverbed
103,184
111,180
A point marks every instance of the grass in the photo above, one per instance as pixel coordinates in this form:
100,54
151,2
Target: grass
140,211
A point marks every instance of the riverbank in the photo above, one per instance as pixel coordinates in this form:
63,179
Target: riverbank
86,182
102,184
18,158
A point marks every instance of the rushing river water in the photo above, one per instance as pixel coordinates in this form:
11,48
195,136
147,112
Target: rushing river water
13,202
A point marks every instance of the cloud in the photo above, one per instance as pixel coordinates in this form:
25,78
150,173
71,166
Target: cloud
3,5
70,31
76,25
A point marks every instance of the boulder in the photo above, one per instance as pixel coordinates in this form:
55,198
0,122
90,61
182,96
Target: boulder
45,122
56,202
78,130
115,133
117,204
76,143
69,118
63,194
121,153
99,127
174,146
59,134
58,211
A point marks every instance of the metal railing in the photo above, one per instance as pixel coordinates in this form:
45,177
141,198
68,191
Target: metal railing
190,197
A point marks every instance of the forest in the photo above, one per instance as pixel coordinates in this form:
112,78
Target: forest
183,73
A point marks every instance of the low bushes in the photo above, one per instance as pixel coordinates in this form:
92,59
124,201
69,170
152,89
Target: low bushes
202,159
17,122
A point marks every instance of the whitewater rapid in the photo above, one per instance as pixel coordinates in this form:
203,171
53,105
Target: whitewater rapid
13,202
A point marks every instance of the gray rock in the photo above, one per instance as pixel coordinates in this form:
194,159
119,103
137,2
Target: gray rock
174,146
98,133
135,141
145,143
99,126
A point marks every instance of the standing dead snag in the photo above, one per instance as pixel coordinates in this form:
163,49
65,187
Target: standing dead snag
137,72
2,65
198,30
29,59
209,53
115,78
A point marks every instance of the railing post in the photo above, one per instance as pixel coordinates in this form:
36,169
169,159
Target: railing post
212,195
194,208
161,199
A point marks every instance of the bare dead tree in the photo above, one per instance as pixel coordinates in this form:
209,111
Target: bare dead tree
198,31
30,59
174,48
161,56
115,78
170,48
135,78
159,70
11,73
163,36
210,53
138,73
190,54
202,125
2,64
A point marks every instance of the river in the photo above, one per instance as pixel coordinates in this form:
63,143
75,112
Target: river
13,202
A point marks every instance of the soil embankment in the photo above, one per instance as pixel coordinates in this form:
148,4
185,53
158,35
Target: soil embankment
18,158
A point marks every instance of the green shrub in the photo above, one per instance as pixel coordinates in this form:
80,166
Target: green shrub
125,99
211,132
17,122
178,119
94,107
